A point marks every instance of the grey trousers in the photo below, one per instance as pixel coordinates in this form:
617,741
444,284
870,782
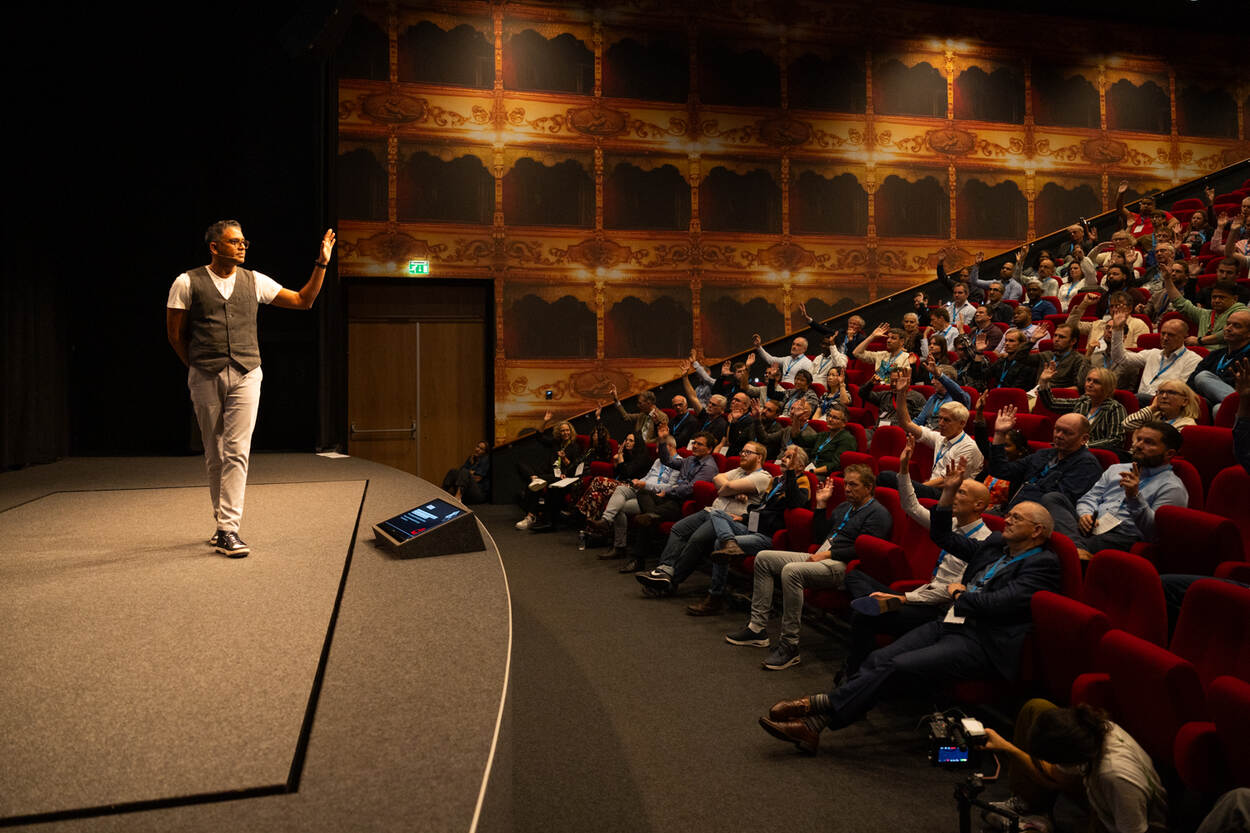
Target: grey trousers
622,504
225,407
796,573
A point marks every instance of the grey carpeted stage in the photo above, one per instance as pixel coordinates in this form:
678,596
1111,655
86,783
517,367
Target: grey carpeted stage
147,683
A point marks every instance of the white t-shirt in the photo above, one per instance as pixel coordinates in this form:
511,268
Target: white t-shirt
180,293
1126,793
737,504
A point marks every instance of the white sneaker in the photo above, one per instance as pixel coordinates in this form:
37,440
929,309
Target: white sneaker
525,523
537,484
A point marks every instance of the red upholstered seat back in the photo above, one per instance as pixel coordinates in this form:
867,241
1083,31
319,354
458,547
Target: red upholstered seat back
1194,542
1213,630
1127,589
1153,692
1065,635
1228,498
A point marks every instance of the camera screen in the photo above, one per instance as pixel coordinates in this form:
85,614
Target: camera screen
952,755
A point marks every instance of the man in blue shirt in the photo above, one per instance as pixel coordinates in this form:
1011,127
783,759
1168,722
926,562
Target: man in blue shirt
1119,510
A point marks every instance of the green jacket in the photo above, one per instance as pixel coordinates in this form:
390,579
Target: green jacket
1208,323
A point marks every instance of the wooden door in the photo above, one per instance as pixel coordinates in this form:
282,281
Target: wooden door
382,396
452,394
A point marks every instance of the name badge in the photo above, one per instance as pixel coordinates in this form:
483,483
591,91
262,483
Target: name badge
952,618
753,521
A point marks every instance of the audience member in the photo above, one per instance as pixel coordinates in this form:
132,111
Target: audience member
1118,511
1037,305
667,505
879,609
799,431
945,389
1210,322
790,365
748,535
768,429
836,392
1213,377
802,391
950,442
693,536
827,446
883,399
562,458
1171,361
939,325
648,417
663,474
859,514
884,361
1071,366
1174,402
1018,366
471,482
980,637
709,417
1098,404
1067,468
960,308
740,427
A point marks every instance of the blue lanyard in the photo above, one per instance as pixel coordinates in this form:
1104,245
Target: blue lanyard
680,421
847,516
1045,470
949,446
1092,415
781,481
827,439
1163,368
1228,357
884,370
942,555
1002,562
792,363
1006,370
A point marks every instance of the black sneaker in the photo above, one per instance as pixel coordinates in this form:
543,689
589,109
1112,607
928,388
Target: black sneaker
655,582
746,636
212,542
231,545
782,656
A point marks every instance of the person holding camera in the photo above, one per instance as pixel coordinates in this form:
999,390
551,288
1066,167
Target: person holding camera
1081,753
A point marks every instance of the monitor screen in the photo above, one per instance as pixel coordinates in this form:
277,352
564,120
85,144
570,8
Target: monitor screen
419,519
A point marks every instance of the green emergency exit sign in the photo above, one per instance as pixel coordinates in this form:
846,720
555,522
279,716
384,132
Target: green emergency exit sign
418,267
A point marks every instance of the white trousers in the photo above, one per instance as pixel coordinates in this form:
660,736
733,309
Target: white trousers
225,406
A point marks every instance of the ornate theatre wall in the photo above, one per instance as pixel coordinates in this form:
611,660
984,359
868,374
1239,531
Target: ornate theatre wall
650,177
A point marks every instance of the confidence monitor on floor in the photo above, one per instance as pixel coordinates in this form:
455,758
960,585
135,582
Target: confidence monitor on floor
436,527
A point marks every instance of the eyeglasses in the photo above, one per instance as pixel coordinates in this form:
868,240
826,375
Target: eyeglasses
1170,393
747,451
238,243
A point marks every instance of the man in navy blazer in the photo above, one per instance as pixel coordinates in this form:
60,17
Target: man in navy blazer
980,637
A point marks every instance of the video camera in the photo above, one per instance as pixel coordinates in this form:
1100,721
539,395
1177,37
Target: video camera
955,742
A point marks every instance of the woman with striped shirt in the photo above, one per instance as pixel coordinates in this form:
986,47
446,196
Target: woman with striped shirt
1175,403
1098,405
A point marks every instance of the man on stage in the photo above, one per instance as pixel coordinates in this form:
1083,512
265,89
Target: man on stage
210,320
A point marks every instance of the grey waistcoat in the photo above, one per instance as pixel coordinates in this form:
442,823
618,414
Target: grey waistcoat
223,330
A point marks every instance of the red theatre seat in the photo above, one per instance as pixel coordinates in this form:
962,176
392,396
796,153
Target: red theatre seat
1191,541
1209,448
1065,634
1227,499
1127,589
1213,630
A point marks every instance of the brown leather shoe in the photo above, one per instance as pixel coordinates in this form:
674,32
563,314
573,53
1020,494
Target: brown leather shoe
727,551
791,709
646,518
709,605
599,527
615,552
633,565
793,731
